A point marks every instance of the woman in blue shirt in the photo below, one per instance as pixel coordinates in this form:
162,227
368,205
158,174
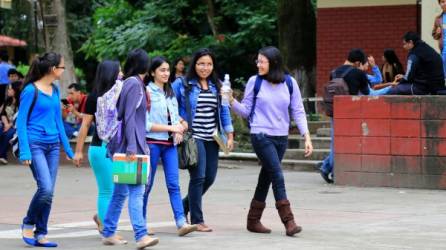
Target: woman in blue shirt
207,116
40,133
165,129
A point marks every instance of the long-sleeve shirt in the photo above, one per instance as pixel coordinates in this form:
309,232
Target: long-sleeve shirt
44,124
271,115
376,77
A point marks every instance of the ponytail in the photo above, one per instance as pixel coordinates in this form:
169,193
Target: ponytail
41,66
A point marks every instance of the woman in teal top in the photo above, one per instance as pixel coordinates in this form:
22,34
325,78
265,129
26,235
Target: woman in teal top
40,131
164,130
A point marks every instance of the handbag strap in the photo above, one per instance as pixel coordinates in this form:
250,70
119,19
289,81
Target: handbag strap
187,89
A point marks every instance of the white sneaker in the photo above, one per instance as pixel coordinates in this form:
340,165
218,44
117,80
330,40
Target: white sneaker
3,161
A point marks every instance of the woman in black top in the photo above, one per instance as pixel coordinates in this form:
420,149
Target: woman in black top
106,75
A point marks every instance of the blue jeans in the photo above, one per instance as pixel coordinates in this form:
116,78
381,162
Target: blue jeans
328,163
4,141
169,157
44,165
270,151
201,178
443,56
70,129
120,193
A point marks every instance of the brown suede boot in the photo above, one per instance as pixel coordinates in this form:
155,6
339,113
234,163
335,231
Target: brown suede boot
255,213
287,217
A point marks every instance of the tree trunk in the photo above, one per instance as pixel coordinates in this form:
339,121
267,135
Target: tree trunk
210,15
58,40
297,41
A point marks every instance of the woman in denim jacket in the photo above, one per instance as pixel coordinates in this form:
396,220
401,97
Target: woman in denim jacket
207,115
164,130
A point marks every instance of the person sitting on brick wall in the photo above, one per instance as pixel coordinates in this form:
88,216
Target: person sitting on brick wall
357,83
424,73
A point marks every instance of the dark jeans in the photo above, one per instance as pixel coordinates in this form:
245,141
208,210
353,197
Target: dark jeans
201,178
270,151
44,165
4,141
408,89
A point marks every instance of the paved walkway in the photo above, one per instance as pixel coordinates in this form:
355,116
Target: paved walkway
332,217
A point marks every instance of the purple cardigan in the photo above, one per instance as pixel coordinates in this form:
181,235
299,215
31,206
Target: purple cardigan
132,113
271,112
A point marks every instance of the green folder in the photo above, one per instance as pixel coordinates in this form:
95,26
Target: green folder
130,172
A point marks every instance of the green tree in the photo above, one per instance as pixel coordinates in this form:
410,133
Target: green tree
235,30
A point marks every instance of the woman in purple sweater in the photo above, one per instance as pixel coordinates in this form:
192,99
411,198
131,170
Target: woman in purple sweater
269,120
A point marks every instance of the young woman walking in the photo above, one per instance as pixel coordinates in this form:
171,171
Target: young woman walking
40,131
269,118
132,109
207,115
164,130
107,73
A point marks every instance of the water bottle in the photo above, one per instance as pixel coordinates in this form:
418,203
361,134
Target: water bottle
225,89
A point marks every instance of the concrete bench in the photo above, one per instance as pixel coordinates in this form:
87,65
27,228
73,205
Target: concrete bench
390,141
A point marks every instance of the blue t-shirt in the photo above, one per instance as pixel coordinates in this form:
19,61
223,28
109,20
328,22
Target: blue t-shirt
4,67
44,124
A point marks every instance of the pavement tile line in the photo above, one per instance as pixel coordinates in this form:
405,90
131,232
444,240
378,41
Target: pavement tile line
16,233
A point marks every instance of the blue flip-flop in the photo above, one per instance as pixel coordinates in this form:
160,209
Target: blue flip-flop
29,241
47,244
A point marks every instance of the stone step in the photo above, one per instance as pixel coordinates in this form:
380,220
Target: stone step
313,126
298,154
323,132
236,160
297,141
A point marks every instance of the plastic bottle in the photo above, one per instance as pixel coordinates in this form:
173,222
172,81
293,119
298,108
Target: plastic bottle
225,89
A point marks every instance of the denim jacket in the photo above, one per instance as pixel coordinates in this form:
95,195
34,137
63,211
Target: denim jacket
224,115
159,106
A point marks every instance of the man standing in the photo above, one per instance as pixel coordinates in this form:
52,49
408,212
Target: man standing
353,74
4,81
424,73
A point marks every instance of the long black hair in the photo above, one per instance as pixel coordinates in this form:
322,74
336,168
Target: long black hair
106,74
173,69
16,86
276,73
192,74
392,59
41,66
137,63
156,63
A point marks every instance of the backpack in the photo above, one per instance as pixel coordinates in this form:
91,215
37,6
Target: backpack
108,124
106,115
336,86
258,84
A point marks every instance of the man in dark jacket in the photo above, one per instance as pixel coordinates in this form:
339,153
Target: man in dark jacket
424,73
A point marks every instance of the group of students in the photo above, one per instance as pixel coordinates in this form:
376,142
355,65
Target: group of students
424,76
155,115
10,86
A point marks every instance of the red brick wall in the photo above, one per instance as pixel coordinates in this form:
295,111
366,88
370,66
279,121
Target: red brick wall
390,141
370,28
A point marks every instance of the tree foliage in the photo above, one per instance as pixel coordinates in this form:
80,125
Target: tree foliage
179,27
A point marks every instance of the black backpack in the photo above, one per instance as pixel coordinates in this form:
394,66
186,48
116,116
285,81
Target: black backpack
336,86
257,85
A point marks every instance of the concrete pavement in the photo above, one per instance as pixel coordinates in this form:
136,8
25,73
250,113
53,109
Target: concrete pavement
332,217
